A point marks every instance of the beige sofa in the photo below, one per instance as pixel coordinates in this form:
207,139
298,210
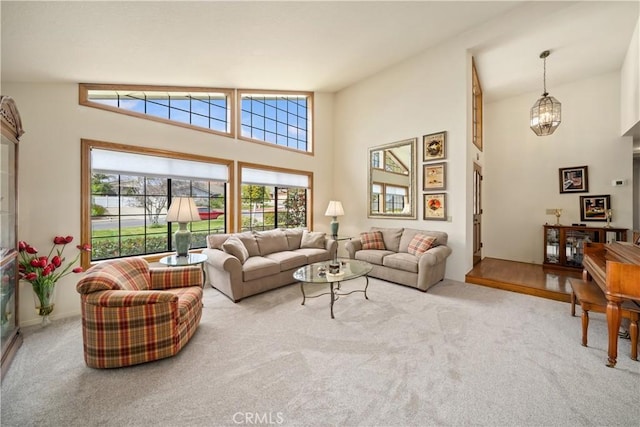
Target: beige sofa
244,264
401,259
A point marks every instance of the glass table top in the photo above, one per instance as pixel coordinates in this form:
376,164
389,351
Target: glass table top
349,269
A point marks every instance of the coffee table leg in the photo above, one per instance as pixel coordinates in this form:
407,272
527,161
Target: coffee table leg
333,298
366,286
303,295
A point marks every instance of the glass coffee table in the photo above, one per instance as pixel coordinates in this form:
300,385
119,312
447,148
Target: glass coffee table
318,273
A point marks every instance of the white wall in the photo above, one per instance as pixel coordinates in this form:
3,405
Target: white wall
424,95
521,169
630,85
49,165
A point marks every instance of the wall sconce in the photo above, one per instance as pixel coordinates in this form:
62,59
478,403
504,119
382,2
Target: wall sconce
182,210
546,113
334,210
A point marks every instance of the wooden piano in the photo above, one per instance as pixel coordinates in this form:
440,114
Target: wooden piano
615,267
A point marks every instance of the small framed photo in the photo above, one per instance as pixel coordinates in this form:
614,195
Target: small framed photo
434,146
434,176
435,206
574,180
594,208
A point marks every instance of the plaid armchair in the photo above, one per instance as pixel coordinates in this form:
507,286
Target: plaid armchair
134,314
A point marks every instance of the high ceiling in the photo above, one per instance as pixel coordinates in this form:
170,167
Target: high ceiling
307,45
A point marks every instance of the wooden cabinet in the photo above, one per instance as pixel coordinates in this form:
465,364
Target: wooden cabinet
564,245
9,326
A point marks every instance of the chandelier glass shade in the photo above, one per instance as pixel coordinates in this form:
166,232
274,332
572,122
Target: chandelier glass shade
546,113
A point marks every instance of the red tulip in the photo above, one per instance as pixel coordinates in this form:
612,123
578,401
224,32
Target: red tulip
22,245
68,239
31,276
43,261
31,250
56,261
34,262
78,270
84,247
59,240
47,270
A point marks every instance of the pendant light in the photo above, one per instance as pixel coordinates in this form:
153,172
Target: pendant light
546,113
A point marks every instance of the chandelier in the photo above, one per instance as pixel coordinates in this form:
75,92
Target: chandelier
546,113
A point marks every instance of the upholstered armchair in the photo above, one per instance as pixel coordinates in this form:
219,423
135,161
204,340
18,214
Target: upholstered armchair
132,313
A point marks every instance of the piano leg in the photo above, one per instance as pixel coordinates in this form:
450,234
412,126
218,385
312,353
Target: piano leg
613,324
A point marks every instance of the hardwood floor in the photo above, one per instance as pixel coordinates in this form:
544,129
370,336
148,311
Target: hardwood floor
531,279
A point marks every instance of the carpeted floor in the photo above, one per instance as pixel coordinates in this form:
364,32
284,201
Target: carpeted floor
458,355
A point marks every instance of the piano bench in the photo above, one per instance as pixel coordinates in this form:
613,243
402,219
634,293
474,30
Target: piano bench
591,298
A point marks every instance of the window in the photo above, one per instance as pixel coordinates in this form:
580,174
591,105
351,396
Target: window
395,198
197,108
477,107
273,198
279,118
127,192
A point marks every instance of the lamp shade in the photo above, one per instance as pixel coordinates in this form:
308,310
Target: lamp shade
183,209
334,209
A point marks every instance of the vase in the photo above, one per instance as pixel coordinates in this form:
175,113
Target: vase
44,296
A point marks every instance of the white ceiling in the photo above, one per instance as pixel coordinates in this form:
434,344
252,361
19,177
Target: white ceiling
307,45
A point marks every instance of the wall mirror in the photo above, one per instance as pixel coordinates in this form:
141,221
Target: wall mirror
392,180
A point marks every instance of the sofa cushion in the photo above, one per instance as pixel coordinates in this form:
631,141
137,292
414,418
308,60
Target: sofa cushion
420,244
409,233
313,239
373,256
390,236
294,237
372,240
258,267
314,255
250,243
288,259
271,241
401,261
234,246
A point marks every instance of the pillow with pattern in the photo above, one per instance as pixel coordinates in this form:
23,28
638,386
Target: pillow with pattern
372,240
420,244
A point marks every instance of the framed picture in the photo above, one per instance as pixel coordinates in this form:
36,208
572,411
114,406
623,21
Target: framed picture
435,206
574,180
434,146
594,208
434,176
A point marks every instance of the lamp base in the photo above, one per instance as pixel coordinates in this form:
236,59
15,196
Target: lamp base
182,239
334,226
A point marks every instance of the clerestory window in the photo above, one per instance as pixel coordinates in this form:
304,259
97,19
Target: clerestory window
199,108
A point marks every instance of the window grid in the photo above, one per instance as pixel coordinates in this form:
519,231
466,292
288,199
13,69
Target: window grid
269,207
281,120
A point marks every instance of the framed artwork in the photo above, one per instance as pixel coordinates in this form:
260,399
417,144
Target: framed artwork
434,176
435,206
574,180
434,146
594,208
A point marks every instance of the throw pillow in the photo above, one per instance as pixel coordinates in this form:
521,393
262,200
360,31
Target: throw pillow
234,246
313,239
420,244
372,240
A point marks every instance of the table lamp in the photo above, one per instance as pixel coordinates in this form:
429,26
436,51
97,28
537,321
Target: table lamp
182,210
334,210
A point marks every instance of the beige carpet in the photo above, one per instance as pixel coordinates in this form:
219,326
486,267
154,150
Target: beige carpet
457,355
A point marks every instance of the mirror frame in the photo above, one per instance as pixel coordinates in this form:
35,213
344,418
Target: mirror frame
412,143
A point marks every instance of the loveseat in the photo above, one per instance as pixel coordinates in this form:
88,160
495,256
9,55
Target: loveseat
407,256
132,313
244,264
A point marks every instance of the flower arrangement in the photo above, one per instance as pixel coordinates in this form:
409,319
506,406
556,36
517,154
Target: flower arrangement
43,272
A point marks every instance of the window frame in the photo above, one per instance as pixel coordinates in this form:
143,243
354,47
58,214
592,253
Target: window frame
310,114
308,174
85,187
84,89
476,107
